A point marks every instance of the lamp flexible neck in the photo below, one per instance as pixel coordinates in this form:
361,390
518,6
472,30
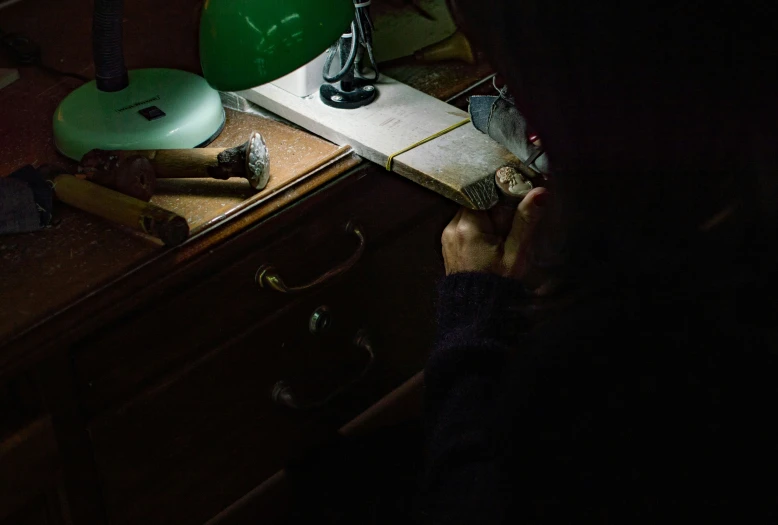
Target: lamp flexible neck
107,48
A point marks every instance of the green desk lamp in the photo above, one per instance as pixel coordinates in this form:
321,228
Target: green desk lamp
243,44
139,109
247,43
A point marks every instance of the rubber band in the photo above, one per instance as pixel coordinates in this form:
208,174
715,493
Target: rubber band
363,4
423,141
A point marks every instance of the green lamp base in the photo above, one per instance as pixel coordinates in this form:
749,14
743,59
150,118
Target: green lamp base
160,109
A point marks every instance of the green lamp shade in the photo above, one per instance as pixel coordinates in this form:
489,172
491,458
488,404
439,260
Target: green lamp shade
246,43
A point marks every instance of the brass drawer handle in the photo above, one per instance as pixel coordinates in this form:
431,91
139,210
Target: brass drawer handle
283,393
268,277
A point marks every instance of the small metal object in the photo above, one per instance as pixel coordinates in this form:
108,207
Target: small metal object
345,89
250,160
369,88
532,158
320,321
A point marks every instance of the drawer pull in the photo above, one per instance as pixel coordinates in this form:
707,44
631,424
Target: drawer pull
283,393
268,277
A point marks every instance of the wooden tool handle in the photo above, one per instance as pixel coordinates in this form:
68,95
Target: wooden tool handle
180,163
117,207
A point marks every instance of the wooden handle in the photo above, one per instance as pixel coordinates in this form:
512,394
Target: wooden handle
134,177
117,207
283,393
268,277
250,161
180,163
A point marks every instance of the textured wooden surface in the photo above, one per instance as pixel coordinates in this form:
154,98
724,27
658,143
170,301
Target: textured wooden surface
459,165
50,268
293,154
37,338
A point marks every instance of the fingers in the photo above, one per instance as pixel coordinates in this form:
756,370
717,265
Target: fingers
469,243
468,223
532,206
451,227
475,223
502,218
531,209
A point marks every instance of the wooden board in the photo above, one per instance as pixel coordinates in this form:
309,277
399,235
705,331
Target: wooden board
460,165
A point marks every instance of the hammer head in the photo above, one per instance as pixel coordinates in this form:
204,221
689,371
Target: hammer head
250,160
132,175
257,161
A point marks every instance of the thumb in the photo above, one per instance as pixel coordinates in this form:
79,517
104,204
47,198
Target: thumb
531,209
533,205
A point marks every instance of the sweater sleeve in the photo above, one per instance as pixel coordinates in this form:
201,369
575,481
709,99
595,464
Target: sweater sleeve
480,320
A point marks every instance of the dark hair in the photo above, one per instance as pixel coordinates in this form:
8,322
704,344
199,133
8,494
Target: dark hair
656,115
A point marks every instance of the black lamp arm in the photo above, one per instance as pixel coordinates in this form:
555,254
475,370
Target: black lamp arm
107,48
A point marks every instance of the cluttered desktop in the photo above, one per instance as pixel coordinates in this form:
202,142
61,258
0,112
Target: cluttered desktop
206,211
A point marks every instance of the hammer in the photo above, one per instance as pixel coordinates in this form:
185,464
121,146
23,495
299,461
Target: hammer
250,161
141,216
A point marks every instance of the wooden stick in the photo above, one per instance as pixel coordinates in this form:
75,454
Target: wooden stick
181,163
117,207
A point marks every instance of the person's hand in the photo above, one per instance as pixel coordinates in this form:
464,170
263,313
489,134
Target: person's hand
495,241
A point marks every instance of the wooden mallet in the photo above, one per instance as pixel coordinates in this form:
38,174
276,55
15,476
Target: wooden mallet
134,213
250,161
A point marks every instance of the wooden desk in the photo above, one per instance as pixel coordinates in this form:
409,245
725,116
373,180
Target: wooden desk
136,381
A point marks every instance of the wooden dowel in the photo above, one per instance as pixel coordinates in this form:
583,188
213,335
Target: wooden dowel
180,163
142,216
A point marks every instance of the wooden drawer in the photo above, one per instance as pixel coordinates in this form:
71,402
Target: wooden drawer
216,300
201,438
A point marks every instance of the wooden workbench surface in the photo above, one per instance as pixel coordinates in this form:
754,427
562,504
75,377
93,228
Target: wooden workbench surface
45,272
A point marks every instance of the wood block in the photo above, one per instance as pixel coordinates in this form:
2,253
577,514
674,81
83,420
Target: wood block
460,165
8,76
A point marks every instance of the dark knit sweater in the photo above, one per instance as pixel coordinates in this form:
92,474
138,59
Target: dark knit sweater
634,405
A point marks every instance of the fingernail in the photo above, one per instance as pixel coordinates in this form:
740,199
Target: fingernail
541,200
